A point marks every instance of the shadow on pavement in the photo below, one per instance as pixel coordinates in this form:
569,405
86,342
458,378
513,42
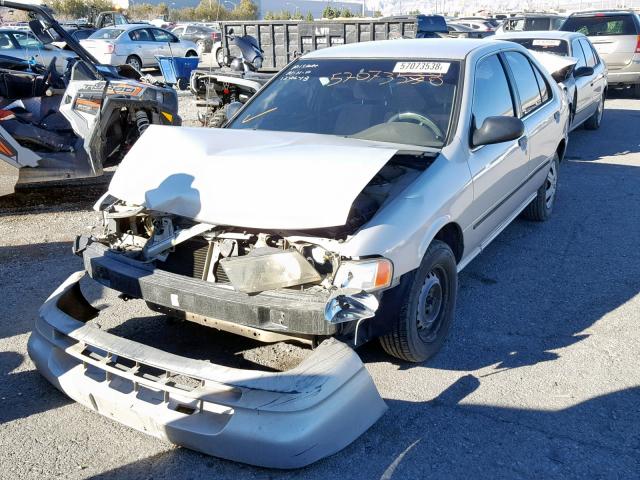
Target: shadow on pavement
443,438
24,393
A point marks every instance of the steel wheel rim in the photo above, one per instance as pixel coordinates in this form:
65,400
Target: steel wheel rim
551,185
134,63
431,305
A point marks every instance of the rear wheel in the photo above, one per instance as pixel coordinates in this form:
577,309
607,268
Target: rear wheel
135,62
427,312
541,207
595,120
219,57
191,53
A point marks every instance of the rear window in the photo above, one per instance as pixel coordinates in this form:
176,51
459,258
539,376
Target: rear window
107,34
601,26
548,45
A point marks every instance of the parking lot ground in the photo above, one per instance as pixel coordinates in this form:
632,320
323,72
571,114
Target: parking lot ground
540,377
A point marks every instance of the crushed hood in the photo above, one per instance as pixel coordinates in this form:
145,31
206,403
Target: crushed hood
249,178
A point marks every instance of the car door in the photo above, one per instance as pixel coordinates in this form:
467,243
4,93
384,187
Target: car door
540,115
583,85
597,81
496,169
167,44
8,46
143,45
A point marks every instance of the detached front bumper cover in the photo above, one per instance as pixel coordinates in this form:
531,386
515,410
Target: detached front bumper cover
271,419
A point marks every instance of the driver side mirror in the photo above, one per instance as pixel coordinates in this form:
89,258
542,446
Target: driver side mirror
498,130
583,72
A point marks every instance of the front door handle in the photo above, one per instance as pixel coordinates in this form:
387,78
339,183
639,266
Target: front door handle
556,116
522,141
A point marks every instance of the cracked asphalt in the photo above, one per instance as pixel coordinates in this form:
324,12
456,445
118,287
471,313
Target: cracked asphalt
540,377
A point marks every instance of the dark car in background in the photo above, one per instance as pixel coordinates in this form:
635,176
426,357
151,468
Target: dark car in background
615,34
207,39
530,22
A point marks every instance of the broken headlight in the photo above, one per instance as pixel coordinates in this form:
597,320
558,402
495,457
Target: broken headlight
368,275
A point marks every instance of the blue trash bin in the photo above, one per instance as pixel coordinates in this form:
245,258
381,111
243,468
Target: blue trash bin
177,70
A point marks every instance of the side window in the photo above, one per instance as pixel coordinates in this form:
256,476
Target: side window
162,36
576,52
545,91
5,42
588,53
191,30
491,92
525,80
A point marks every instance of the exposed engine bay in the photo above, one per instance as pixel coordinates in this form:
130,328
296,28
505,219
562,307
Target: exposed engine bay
212,253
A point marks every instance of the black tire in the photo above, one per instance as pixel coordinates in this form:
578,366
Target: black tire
182,84
636,90
220,57
134,61
191,53
218,119
541,207
595,120
427,312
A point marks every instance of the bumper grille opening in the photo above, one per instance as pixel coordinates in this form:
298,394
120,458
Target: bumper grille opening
190,259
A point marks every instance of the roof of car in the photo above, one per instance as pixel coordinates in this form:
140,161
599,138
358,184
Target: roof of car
441,48
541,34
591,13
128,26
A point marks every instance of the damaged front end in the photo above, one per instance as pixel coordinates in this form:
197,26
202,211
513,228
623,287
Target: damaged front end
271,419
248,244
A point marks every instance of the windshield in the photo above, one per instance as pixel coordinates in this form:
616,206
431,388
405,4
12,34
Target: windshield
546,45
398,101
603,25
106,34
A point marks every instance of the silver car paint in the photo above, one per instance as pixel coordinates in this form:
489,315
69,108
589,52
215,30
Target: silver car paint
145,50
586,91
465,184
42,55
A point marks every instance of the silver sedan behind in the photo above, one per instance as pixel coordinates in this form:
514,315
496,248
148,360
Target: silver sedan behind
25,45
137,45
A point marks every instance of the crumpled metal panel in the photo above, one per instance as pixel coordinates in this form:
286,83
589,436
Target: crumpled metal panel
249,178
272,419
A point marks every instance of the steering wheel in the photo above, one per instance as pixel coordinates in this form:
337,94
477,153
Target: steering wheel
420,120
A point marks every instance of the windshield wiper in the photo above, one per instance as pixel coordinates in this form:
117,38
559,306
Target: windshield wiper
249,118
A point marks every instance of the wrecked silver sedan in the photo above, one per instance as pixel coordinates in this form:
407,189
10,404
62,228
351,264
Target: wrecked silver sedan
341,201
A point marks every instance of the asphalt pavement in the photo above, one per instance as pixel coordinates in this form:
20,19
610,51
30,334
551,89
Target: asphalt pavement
540,377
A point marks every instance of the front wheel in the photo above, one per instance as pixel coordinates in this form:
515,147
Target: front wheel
541,207
427,312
